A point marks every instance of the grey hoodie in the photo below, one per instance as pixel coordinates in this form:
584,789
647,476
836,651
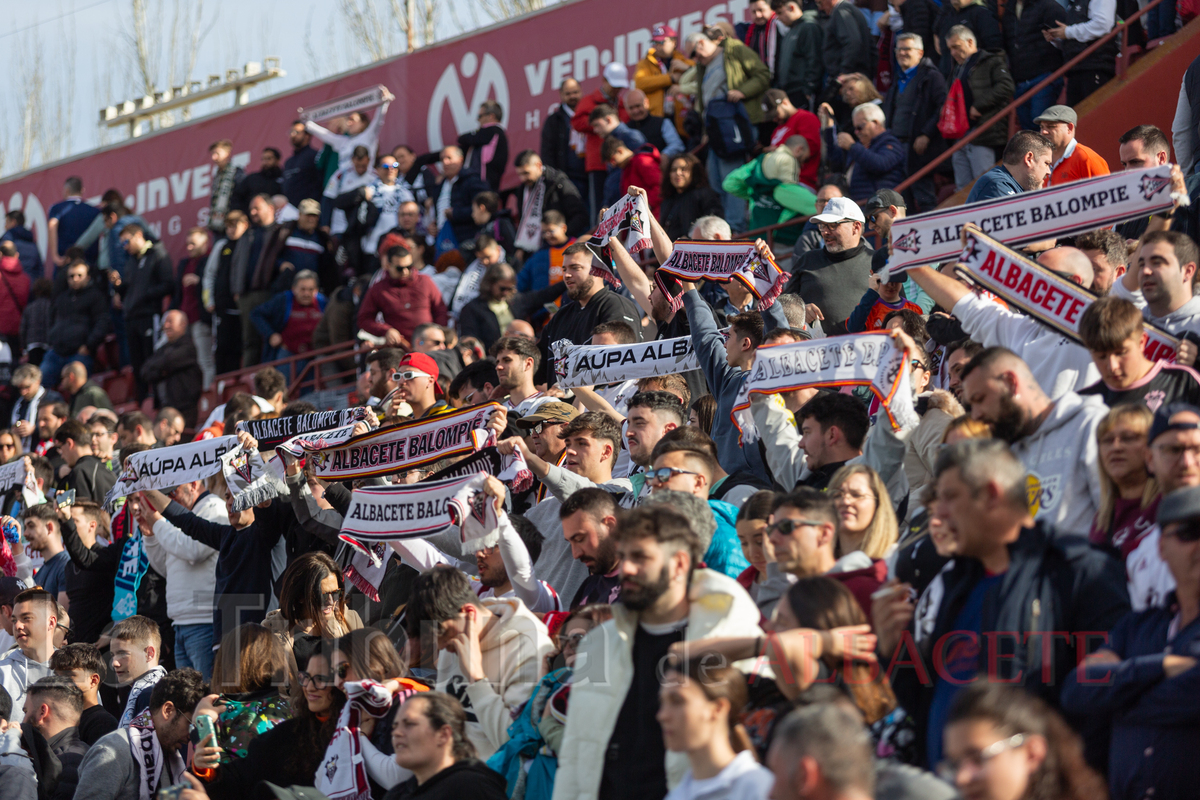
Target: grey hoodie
1184,318
1061,457
17,671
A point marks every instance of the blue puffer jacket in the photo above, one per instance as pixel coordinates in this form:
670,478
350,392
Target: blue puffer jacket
880,166
724,552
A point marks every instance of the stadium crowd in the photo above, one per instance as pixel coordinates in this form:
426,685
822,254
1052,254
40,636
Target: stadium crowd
996,596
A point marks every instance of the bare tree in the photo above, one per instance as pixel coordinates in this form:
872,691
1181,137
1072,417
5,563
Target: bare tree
376,26
507,9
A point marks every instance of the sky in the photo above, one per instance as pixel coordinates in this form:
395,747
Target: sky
86,51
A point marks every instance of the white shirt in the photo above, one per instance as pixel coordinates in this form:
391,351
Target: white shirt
388,200
443,199
342,181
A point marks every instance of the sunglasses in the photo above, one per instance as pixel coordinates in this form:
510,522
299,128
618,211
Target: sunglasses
342,670
571,641
787,526
407,375
331,598
317,681
541,426
389,166
664,474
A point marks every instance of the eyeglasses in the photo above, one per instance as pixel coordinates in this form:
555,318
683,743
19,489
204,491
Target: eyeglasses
664,474
853,497
1176,452
787,527
861,126
829,226
318,681
63,628
571,641
331,598
948,770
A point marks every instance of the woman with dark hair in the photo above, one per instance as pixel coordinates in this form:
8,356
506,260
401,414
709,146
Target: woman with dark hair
312,605
686,196
1002,743
752,521
430,740
250,669
288,754
703,412
698,709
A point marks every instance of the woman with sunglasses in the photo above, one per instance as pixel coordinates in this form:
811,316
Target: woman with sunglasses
312,605
536,733
250,670
290,753
1002,743
431,744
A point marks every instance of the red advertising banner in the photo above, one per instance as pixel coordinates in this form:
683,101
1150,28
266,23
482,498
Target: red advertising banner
167,176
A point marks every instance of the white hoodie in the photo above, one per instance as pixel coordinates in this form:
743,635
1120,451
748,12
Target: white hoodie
1059,364
17,671
742,779
189,566
1061,457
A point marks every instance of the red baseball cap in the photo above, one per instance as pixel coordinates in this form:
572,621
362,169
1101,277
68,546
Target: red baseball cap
422,363
661,32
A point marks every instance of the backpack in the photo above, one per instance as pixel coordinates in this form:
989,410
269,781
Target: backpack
730,134
953,123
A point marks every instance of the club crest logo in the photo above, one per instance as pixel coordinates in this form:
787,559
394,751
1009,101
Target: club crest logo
130,474
908,243
331,768
479,502
241,466
1153,184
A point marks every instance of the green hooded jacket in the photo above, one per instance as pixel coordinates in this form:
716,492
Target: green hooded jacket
771,201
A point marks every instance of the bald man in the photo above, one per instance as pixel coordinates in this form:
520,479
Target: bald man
519,327
658,131
1060,364
80,391
453,198
173,370
1054,439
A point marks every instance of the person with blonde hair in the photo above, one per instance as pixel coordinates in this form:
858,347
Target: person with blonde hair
699,708
1129,494
866,519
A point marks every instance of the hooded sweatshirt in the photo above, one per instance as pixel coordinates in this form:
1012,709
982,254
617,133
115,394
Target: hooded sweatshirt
513,650
1184,318
1060,365
742,779
189,566
17,671
1061,457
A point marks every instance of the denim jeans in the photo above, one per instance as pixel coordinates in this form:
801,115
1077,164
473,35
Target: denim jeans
1160,20
52,364
1047,97
970,162
194,648
735,207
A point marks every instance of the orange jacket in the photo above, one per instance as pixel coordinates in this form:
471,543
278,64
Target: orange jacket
592,159
1083,163
653,77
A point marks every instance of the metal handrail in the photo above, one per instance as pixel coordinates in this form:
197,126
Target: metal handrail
338,349
1010,110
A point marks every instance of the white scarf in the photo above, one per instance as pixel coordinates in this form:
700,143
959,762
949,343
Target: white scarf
250,479
148,755
343,772
165,467
405,511
529,229
592,365
722,262
271,433
629,220
143,684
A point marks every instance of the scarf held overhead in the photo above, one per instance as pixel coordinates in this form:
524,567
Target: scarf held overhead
591,365
629,222
1032,216
171,466
1049,298
694,261
407,445
407,511
367,98
271,433
249,479
864,359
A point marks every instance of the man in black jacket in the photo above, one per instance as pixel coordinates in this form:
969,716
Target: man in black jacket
591,303
79,321
847,45
90,479
499,285
453,198
150,280
174,370
257,270
797,64
301,177
558,149
543,189
1019,601
912,105
268,180
486,148
1030,57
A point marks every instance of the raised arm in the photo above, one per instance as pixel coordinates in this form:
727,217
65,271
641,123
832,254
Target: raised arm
533,593
632,276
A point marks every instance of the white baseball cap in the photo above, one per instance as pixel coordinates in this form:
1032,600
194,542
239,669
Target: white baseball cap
838,209
616,75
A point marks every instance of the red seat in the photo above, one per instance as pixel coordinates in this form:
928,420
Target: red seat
119,387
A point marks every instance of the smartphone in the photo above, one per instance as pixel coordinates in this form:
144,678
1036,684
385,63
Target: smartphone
171,792
205,727
65,499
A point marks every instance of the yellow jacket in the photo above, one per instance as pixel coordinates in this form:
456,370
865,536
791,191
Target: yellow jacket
651,78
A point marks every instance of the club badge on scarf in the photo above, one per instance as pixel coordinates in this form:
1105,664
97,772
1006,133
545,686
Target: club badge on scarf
343,772
529,229
405,511
1032,216
406,445
629,221
249,479
722,262
318,440
1049,298
171,466
591,365
271,433
864,359
478,521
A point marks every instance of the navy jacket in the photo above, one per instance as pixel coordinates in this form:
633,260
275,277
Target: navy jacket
74,217
301,177
996,182
1054,583
244,575
1155,720
880,166
27,250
